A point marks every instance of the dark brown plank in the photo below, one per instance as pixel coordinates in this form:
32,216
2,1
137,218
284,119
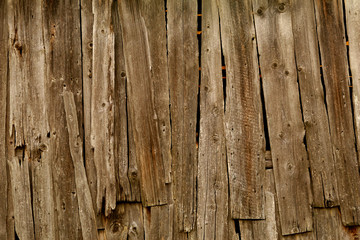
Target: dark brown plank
286,129
212,214
318,137
245,138
62,38
329,16
144,128
183,77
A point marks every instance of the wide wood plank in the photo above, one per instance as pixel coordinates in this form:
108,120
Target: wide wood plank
329,16
144,128
245,138
286,129
212,219
183,77
318,137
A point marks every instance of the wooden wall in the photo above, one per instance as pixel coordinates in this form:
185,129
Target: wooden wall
180,119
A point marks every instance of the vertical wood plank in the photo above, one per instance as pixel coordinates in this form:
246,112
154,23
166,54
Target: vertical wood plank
318,137
183,77
86,210
212,219
329,16
286,129
102,106
144,126
4,38
157,223
62,38
20,184
245,139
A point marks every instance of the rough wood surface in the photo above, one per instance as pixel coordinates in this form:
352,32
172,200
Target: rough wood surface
157,223
316,122
212,211
143,118
286,129
245,140
183,81
329,16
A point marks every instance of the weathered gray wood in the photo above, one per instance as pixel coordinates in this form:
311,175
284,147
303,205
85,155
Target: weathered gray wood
245,139
143,116
125,222
313,103
352,8
62,38
183,77
20,185
128,190
212,219
157,223
3,103
102,106
86,210
329,16
286,129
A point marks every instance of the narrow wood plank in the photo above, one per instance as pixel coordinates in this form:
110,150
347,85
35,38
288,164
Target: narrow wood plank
183,77
318,137
157,223
62,38
153,14
286,129
20,184
87,21
245,138
144,128
212,214
125,222
4,50
129,185
352,8
86,210
102,106
329,16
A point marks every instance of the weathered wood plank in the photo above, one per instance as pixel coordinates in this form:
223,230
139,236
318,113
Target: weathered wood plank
125,222
62,38
4,50
143,118
157,223
129,186
329,16
102,106
352,8
286,129
20,185
183,77
313,103
245,138
212,214
86,210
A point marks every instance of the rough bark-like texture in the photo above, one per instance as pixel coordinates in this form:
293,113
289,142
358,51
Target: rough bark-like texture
286,128
329,16
245,140
183,81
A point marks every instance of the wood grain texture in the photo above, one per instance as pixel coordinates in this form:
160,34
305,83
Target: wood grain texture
183,77
144,128
62,42
4,50
126,222
212,219
245,139
286,129
316,122
157,223
329,16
